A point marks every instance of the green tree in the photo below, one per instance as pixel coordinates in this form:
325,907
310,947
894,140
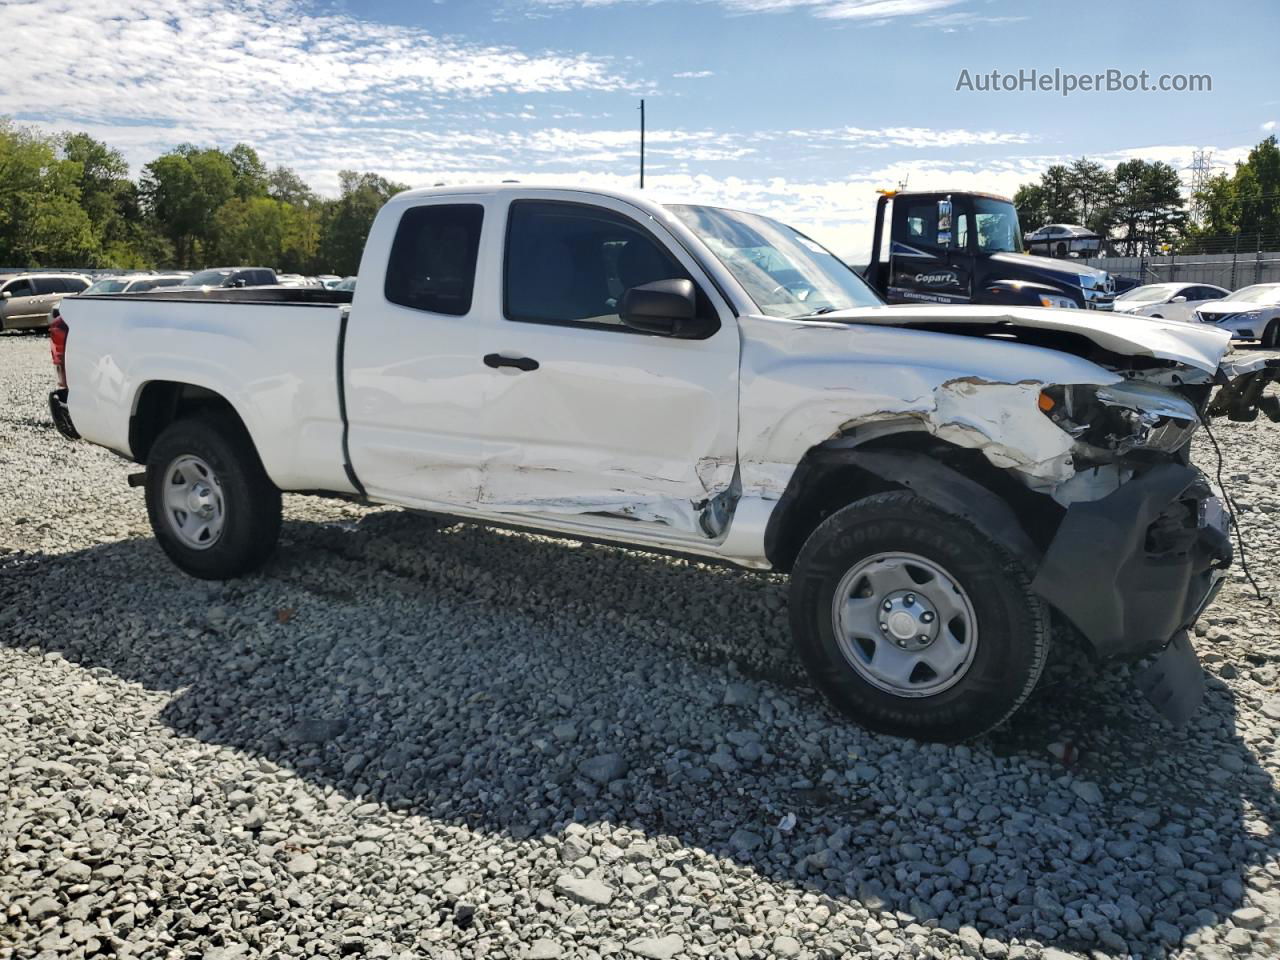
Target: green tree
1092,190
1219,206
181,192
41,220
1148,211
110,199
264,231
1243,207
284,184
248,171
1257,190
1080,193
347,220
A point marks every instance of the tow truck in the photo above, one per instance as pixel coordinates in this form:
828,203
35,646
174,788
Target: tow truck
963,247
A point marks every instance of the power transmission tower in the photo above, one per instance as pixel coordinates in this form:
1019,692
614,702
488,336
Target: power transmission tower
1201,169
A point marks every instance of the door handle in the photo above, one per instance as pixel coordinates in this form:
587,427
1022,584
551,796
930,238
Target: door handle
496,360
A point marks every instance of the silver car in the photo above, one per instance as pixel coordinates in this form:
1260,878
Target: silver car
135,283
1251,313
27,299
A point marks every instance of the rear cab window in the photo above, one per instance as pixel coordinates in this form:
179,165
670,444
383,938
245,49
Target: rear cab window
432,266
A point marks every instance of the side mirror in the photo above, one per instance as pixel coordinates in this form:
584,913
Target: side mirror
8,295
668,308
1179,299
944,222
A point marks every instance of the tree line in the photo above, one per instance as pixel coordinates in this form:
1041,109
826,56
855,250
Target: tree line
68,201
1139,207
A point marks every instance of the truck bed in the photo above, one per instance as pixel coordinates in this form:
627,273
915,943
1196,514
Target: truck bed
273,353
274,294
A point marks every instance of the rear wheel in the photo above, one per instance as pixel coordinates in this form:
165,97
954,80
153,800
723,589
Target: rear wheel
212,507
913,622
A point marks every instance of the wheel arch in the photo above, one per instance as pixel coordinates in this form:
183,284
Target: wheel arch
158,403
904,456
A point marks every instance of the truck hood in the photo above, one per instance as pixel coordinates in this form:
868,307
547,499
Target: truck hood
1192,345
1047,265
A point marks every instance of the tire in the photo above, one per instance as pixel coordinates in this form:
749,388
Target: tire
1271,336
227,521
991,650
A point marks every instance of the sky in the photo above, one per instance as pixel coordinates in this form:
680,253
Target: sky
799,109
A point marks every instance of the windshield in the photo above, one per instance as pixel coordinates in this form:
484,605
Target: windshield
1258,293
1151,293
106,285
784,272
206,278
998,228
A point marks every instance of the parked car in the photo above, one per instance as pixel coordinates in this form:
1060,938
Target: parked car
1064,240
232,277
297,280
935,479
1251,313
329,280
27,299
1124,284
963,247
135,283
346,283
1168,301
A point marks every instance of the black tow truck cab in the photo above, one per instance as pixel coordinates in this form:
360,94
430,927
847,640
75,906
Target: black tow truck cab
964,247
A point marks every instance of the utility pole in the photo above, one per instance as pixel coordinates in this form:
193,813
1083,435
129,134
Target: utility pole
642,144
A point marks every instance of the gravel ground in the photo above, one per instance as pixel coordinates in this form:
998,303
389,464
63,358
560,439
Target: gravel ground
452,742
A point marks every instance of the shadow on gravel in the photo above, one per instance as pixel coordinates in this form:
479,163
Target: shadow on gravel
472,676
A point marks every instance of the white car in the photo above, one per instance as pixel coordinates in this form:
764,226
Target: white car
1168,301
694,380
1063,240
134,283
1251,313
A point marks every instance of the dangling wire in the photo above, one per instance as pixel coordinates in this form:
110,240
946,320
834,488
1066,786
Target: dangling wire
1232,510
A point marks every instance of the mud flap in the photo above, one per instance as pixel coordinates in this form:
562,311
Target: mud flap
1174,683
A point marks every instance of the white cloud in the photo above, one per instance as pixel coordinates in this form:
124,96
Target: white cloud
869,10
1269,126
257,70
694,74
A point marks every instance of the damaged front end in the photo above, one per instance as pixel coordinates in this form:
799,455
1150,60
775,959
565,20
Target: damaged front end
1134,568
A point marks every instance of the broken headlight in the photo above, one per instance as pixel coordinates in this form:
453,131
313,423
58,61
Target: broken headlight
1121,417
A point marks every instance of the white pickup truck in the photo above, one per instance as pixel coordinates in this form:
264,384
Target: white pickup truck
940,482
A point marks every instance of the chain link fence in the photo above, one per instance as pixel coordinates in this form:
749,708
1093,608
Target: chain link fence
1231,262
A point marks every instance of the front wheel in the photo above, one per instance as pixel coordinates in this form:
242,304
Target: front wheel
212,507
1271,338
913,622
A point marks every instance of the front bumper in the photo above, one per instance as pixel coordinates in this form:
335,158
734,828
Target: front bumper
1135,568
61,415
